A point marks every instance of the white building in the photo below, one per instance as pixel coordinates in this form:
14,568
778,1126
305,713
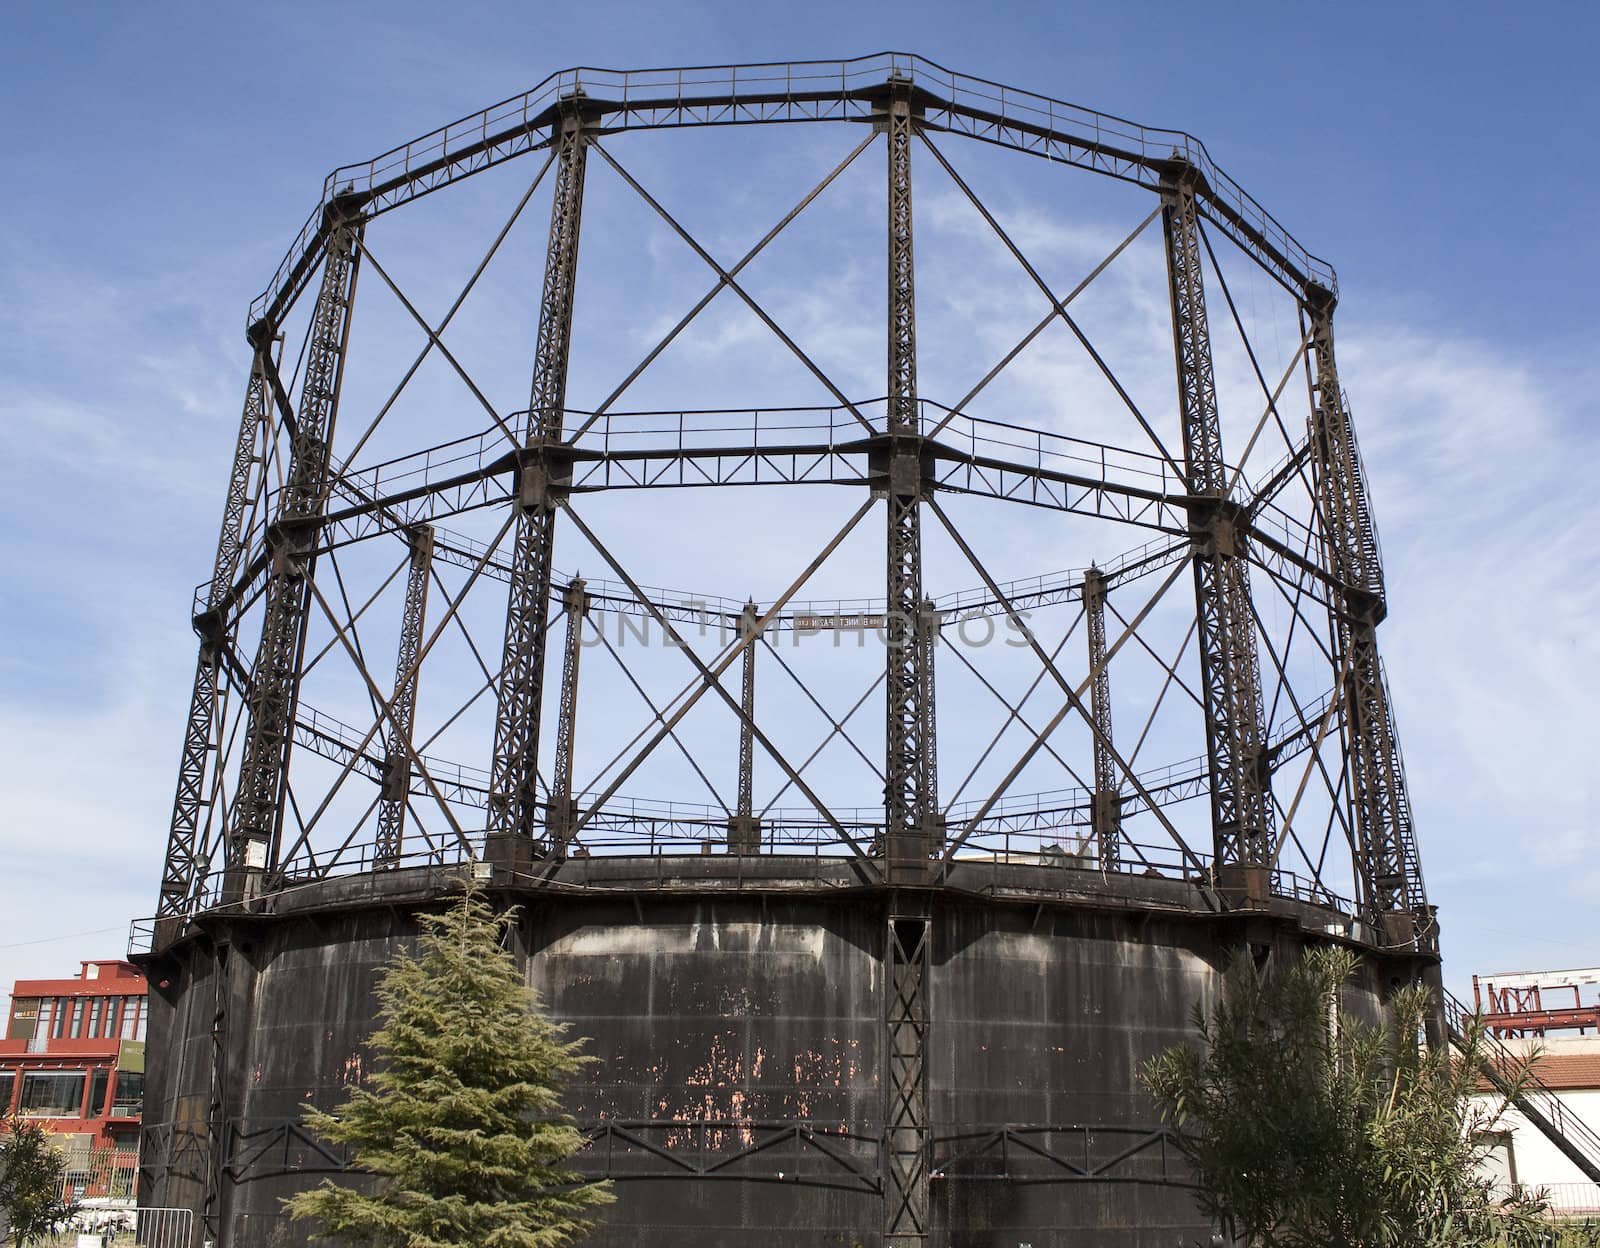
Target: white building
1555,1013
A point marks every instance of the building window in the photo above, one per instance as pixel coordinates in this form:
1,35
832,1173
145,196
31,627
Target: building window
52,1094
98,1083
8,1081
133,1018
96,1017
112,1005
60,1028
1499,1160
76,1031
41,1032
129,1099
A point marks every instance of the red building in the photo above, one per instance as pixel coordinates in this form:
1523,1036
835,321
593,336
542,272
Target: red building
73,1055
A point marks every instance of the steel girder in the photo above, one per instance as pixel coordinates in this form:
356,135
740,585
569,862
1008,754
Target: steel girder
809,1154
514,803
1389,865
263,769
390,840
1241,800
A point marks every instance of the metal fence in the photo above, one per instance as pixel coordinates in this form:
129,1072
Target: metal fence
103,1174
106,1224
1574,1199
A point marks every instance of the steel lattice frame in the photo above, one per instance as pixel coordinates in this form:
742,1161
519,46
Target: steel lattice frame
389,846
293,506
1241,809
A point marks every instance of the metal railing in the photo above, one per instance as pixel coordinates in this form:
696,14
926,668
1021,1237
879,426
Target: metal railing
476,471
797,91
1538,1103
100,1174
1573,1199
654,836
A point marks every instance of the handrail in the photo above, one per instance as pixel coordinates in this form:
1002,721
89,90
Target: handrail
1539,1104
836,90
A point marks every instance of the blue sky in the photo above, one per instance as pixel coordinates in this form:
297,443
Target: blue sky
161,158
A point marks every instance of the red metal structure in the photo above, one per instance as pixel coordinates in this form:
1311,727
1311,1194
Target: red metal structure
1534,1003
73,1055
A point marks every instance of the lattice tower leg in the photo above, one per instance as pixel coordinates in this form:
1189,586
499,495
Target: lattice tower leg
513,796
183,869
563,813
908,802
1389,866
1106,811
744,829
390,844
1241,801
264,764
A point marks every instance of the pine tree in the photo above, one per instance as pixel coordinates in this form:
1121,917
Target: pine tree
461,1123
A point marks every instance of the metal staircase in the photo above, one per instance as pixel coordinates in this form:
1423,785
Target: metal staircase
1538,1104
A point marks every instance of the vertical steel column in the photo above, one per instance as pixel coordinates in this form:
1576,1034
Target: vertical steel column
264,764
1241,802
744,829
1105,814
1389,866
563,815
216,1129
909,720
183,868
397,762
908,749
933,826
905,1192
544,472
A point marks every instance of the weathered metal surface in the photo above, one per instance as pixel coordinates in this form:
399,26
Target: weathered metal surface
738,1095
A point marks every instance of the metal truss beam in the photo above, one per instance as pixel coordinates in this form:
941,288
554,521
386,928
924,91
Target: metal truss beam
263,769
1107,810
1036,1153
397,762
740,1150
514,805
1389,866
753,459
1241,805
